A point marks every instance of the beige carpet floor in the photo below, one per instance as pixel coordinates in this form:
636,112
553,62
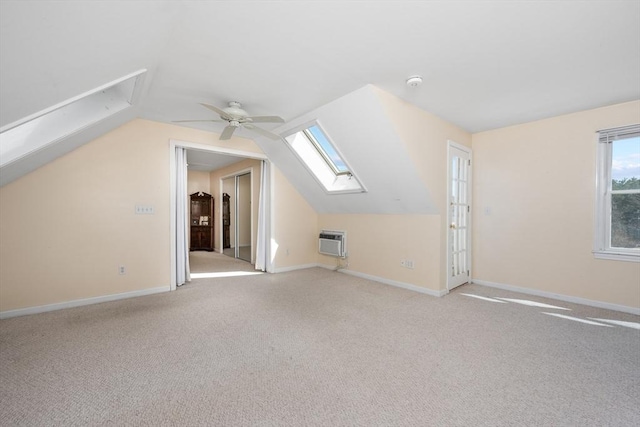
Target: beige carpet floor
319,348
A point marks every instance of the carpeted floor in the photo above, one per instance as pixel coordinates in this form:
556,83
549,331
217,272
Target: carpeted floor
244,253
206,262
319,348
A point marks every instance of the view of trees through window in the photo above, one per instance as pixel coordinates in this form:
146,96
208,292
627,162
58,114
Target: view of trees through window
625,215
625,193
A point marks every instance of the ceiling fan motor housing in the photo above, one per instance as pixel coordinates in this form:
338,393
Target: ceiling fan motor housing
235,111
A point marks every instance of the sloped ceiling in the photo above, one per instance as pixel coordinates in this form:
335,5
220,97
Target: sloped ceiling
373,150
486,64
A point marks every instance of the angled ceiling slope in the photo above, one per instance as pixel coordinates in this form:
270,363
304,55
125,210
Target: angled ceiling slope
489,56
29,143
364,136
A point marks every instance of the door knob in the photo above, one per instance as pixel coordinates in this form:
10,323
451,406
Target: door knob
452,226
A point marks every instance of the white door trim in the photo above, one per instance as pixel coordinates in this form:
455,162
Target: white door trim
452,144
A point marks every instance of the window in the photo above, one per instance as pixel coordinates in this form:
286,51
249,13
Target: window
315,150
618,194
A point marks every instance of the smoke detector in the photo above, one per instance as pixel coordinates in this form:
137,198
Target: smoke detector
414,81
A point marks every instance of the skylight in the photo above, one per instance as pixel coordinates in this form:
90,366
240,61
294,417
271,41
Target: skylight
32,133
314,149
322,144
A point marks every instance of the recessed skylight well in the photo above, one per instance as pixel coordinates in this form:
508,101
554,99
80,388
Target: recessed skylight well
316,151
62,120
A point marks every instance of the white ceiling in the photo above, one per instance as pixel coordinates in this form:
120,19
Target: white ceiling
206,161
486,64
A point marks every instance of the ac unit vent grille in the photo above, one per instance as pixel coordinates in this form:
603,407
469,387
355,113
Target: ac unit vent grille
332,243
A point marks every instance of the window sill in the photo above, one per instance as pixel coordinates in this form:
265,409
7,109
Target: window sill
617,256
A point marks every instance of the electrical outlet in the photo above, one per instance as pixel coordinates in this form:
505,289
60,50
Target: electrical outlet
406,263
122,270
145,210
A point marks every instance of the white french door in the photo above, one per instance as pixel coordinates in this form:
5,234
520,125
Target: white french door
459,215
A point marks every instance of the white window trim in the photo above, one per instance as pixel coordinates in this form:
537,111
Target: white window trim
602,241
337,175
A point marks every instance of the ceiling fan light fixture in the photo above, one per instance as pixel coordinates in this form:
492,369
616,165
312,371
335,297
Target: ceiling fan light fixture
414,81
236,118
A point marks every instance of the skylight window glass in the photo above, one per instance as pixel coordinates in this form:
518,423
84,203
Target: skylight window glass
315,150
331,156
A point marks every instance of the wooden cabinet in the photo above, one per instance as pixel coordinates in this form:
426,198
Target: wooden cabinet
201,220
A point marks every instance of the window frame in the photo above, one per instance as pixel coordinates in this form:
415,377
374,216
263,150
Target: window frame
602,241
338,175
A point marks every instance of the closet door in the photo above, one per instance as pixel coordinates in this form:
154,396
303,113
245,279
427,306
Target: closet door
244,217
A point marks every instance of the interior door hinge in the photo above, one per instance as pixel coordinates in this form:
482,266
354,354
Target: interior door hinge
469,162
468,208
467,273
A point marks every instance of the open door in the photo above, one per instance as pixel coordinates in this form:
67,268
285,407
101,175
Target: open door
459,216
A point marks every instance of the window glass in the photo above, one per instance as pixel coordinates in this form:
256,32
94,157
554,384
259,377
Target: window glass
625,164
625,220
625,201
331,154
618,194
314,149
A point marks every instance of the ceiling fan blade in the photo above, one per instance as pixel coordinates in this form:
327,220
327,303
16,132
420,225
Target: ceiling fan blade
217,110
227,132
266,119
263,132
194,121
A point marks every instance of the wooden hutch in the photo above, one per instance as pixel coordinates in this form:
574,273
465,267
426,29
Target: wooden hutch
201,221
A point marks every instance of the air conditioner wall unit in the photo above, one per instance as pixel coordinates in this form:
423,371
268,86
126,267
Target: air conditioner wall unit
333,243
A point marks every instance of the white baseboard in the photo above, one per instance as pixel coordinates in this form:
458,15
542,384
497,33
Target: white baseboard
295,267
80,302
390,282
560,297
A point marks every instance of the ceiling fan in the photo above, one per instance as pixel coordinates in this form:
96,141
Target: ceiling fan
237,117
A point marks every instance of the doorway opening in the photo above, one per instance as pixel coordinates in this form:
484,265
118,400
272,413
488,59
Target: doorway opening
261,233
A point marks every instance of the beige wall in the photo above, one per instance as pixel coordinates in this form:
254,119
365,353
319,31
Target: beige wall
294,226
67,227
534,192
198,181
377,243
